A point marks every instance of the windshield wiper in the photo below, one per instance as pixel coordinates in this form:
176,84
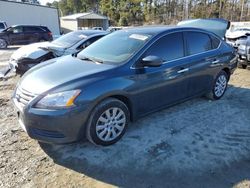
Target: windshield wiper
91,59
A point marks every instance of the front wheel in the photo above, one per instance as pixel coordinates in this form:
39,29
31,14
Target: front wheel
219,86
108,122
244,66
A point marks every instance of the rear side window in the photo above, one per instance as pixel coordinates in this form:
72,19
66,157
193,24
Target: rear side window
197,42
215,42
33,29
168,48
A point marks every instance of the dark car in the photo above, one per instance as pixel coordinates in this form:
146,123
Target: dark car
24,34
244,53
119,78
30,55
3,26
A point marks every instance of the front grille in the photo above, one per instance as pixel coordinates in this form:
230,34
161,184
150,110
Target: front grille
23,97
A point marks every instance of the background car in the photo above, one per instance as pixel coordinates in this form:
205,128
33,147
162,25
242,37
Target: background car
3,26
112,29
233,37
28,56
121,77
97,28
244,53
24,34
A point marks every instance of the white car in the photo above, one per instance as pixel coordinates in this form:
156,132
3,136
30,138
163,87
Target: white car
232,37
30,55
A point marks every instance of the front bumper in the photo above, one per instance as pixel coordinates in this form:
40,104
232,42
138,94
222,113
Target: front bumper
53,126
20,66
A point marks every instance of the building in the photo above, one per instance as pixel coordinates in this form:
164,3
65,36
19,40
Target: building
17,13
83,21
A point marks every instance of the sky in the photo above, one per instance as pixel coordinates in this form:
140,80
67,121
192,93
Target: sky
43,2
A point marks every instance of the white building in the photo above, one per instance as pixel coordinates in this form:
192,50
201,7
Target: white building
16,13
83,20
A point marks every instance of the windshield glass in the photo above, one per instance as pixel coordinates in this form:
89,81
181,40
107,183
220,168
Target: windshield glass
115,48
69,39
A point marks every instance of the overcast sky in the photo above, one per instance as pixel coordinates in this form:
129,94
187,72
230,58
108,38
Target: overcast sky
43,2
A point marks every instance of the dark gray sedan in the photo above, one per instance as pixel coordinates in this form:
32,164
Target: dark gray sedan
119,78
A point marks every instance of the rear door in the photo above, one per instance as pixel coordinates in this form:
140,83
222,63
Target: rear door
32,34
204,60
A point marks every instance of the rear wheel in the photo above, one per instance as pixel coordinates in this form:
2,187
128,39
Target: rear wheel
219,86
3,44
108,122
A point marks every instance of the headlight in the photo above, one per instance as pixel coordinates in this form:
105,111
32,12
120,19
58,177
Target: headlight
58,100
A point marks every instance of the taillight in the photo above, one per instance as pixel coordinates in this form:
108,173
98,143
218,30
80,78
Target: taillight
49,33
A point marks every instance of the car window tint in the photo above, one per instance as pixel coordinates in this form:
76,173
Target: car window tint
32,29
215,42
168,48
197,42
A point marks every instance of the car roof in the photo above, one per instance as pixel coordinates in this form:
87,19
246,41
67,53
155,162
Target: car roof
90,32
155,30
28,26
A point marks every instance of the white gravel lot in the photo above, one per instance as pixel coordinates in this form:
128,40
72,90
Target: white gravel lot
199,143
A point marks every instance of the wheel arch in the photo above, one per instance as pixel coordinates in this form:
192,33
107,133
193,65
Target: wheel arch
122,97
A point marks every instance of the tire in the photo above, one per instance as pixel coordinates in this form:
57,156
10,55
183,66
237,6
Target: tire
3,44
244,66
219,86
102,128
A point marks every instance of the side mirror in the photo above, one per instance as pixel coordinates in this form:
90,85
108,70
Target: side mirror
152,61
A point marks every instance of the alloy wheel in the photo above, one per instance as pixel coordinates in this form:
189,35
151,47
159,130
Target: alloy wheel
220,85
110,124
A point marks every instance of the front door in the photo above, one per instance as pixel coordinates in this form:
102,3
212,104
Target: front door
16,35
164,85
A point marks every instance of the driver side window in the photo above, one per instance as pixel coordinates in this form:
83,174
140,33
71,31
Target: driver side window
169,47
16,29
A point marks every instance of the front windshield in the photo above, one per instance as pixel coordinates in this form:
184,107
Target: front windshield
115,48
69,39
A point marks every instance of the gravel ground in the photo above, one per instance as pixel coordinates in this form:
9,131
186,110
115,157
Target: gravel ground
199,143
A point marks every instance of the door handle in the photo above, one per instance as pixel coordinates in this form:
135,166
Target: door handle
215,62
183,70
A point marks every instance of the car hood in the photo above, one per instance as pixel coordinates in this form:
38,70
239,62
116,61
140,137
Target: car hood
55,72
36,50
217,26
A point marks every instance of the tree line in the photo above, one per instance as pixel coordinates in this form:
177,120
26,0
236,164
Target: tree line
137,12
